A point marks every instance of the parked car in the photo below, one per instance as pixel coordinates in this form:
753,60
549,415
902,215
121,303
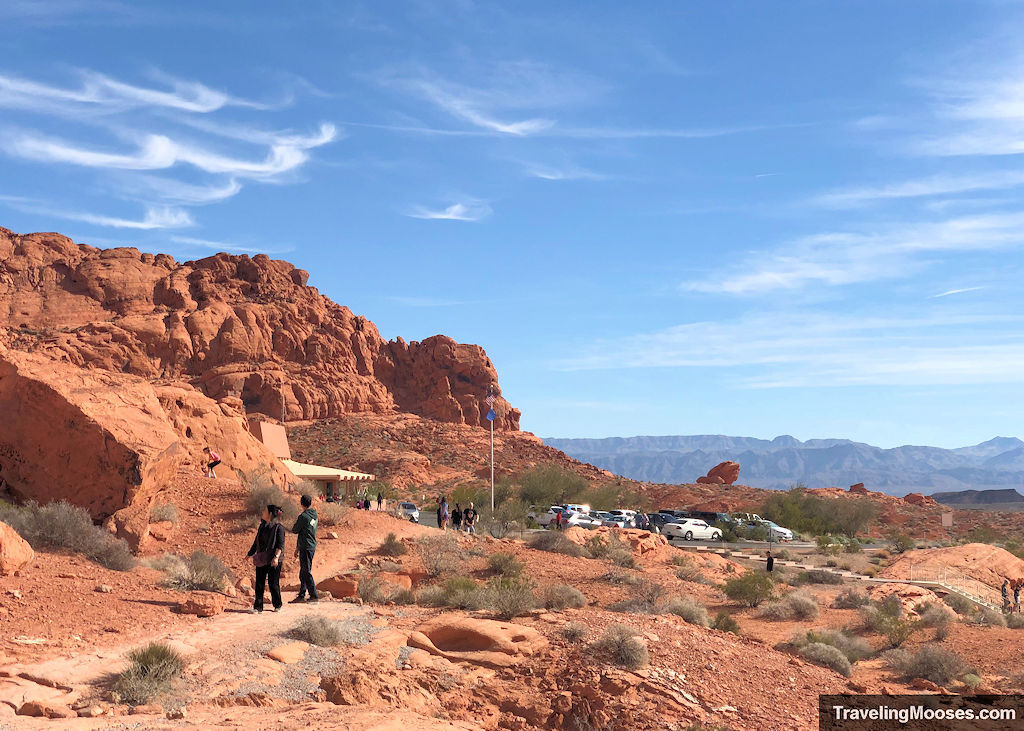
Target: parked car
410,511
626,515
660,520
605,518
690,529
711,518
674,513
776,531
747,517
569,517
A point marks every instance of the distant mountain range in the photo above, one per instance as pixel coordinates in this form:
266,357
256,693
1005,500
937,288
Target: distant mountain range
1007,499
784,461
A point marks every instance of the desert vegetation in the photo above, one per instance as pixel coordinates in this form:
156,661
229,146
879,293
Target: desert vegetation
151,673
620,643
67,527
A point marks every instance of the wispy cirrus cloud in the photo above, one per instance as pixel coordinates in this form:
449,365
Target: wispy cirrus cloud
561,172
156,152
786,349
185,193
469,210
921,188
105,94
962,290
231,246
839,258
156,217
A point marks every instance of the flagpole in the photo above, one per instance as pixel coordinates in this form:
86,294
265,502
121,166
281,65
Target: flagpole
492,466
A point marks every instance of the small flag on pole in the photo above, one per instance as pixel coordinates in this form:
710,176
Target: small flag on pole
491,416
490,399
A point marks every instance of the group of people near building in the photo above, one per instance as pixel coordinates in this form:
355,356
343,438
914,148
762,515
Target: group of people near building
459,519
1008,606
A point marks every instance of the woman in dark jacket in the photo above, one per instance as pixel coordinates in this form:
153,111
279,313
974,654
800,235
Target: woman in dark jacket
267,552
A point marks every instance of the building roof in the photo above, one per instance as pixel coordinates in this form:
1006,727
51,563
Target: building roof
316,472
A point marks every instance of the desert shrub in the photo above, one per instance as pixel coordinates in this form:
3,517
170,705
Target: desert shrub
371,590
687,570
831,563
794,605
1015,621
624,648
818,576
597,546
402,596
941,632
846,566
262,491
870,572
634,605
750,589
887,618
550,484
811,514
199,572
562,596
960,604
556,543
317,630
853,647
896,659
901,543
756,533
691,610
783,554
829,545
392,546
725,623
932,662
827,655
933,615
509,596
62,525
990,618
440,554
169,563
882,554
852,546
574,631
971,680
151,673
328,514
850,599
505,564
622,557
165,512
728,531
458,591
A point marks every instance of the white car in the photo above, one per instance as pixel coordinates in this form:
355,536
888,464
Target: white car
689,529
778,533
410,511
605,518
547,518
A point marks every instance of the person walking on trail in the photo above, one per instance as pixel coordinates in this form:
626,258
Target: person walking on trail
1016,597
457,518
213,459
380,500
769,563
445,515
469,516
267,552
558,520
305,546
1005,591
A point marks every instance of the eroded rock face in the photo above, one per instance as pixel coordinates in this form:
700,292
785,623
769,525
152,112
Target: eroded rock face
858,489
14,551
477,641
727,472
96,439
234,326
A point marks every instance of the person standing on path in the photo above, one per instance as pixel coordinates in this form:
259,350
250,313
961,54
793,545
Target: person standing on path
380,500
267,552
1016,597
1005,591
469,516
457,518
213,460
769,563
305,547
445,515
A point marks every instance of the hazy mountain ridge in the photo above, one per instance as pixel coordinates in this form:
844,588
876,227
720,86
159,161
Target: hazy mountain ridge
785,460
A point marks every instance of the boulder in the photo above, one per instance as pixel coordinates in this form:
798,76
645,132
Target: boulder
916,498
41,709
727,472
97,439
858,489
15,552
341,586
477,641
910,597
290,653
203,604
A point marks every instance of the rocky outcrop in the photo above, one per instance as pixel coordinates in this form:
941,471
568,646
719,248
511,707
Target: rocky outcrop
725,473
858,489
916,498
477,641
94,438
234,327
14,551
203,604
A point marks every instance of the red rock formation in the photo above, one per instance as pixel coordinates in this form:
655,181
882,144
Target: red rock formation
233,326
916,498
725,473
859,489
14,551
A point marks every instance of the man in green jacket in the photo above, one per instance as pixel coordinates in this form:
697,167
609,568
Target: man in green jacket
305,547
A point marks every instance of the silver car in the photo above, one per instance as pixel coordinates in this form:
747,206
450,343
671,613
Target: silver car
410,511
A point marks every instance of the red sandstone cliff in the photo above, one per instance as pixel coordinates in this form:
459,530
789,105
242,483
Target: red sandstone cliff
234,327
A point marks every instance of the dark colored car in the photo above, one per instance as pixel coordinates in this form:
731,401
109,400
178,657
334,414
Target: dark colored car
660,519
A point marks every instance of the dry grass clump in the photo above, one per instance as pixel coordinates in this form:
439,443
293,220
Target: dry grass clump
725,623
199,572
850,599
931,662
691,610
575,632
827,655
562,596
645,598
624,648
441,554
62,525
505,564
751,589
556,543
164,513
687,570
317,631
372,591
854,648
330,514
794,605
818,576
392,546
458,591
508,596
151,673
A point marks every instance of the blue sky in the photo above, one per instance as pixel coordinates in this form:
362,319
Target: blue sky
658,218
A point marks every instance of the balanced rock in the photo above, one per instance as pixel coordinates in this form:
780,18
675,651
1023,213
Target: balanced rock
727,472
15,552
